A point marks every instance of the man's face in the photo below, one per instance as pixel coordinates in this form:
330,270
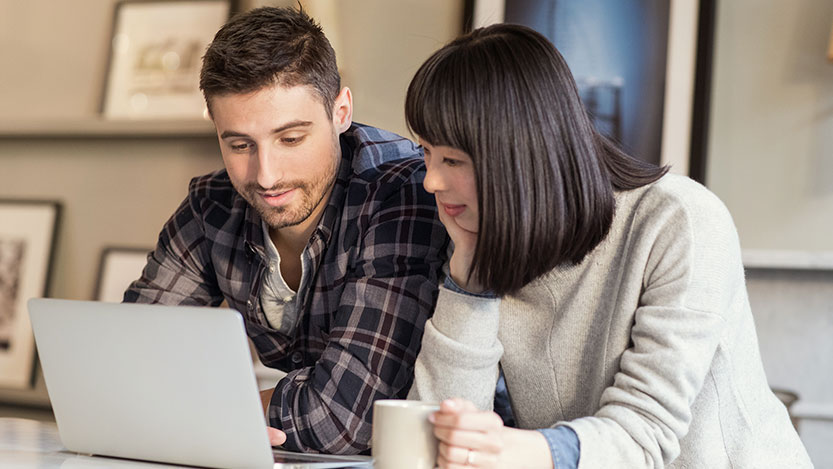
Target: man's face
280,149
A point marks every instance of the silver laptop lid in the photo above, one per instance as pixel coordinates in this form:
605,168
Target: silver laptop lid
161,383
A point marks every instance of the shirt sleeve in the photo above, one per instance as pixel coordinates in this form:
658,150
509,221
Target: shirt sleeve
452,285
375,334
564,446
176,273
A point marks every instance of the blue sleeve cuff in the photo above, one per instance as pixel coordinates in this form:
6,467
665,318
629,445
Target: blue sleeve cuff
564,446
452,285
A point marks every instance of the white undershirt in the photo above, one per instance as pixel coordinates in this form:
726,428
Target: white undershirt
276,298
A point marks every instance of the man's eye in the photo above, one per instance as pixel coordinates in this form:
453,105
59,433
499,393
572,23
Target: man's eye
292,140
241,147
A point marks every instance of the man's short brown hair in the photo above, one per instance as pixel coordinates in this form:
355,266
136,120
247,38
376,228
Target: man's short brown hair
270,46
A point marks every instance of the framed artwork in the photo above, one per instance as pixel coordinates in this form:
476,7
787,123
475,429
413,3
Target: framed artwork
767,148
634,63
27,238
155,57
119,267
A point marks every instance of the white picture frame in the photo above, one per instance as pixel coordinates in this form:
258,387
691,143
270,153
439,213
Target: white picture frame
119,266
155,58
27,238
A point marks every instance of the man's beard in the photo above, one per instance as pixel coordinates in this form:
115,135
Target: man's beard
310,193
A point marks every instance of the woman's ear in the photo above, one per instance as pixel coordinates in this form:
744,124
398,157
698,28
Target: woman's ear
343,110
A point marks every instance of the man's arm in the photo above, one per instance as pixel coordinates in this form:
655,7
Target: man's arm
375,334
176,272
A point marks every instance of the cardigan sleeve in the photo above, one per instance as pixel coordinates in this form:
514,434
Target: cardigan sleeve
460,350
693,282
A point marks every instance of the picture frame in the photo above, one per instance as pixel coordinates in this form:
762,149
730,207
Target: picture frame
28,231
155,58
736,140
117,268
675,84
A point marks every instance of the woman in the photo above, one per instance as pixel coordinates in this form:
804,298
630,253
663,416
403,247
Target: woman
609,294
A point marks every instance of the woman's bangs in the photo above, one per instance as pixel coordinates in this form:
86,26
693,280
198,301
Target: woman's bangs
434,105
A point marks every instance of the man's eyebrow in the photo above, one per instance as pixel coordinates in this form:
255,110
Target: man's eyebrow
292,125
231,133
287,126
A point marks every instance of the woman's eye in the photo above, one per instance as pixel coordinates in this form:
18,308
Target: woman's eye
450,162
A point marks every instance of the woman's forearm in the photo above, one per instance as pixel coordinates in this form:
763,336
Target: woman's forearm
525,449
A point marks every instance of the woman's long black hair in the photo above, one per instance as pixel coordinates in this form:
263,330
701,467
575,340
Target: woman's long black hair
545,177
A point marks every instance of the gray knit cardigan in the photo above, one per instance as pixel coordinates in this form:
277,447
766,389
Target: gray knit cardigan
647,348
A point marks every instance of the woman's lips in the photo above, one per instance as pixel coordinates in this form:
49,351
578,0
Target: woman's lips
453,210
276,199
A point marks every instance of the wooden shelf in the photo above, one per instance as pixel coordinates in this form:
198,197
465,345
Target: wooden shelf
796,260
812,410
101,128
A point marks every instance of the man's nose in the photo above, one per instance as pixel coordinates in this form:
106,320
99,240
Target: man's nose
268,168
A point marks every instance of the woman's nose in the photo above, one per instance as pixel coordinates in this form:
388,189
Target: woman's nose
433,181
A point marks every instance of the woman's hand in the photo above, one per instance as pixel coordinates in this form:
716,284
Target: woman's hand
473,438
464,244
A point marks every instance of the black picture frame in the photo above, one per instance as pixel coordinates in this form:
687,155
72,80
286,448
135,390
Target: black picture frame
28,237
706,22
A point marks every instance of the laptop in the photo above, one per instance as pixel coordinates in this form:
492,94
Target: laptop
171,384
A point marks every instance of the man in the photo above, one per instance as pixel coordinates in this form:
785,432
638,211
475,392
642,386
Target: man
318,231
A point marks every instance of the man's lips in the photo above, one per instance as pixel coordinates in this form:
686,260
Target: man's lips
276,198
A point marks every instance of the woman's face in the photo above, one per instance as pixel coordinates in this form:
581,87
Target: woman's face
450,177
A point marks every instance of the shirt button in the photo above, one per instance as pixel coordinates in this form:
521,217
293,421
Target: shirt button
297,357
272,268
249,304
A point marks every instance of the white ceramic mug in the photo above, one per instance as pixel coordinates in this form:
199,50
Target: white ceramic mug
403,438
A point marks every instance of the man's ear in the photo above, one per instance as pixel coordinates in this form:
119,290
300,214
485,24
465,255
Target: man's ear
206,110
343,110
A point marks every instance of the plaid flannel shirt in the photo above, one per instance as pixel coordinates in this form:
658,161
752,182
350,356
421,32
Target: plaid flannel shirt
377,257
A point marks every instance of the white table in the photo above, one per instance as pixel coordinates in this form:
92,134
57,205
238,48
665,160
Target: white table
33,444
